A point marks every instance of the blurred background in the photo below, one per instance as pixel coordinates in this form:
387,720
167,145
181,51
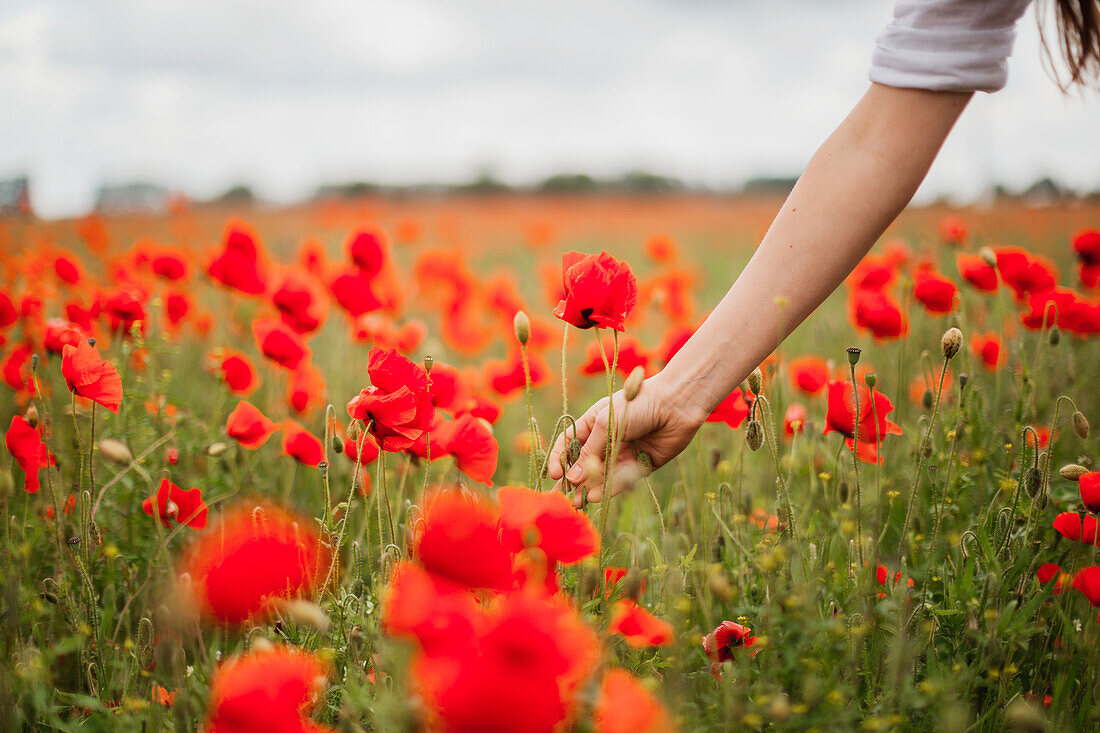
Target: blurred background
126,104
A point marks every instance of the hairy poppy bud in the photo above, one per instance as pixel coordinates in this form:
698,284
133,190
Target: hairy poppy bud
754,435
1072,471
633,384
49,596
353,431
645,462
115,451
951,342
216,449
988,256
842,492
522,325
1042,500
870,379
756,381
574,450
927,399
853,355
1054,336
1032,479
31,416
1081,425
337,443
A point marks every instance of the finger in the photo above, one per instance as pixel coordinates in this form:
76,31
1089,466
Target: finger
591,452
627,474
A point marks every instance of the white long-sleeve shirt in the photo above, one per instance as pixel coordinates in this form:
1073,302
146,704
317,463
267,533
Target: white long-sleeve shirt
948,45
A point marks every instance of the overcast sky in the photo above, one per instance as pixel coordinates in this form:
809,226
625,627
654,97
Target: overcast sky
204,94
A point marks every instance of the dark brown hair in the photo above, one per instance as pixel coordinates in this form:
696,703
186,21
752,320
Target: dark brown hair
1078,41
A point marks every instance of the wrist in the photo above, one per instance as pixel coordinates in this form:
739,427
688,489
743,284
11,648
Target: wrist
681,395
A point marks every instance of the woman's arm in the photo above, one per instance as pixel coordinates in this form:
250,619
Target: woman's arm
854,186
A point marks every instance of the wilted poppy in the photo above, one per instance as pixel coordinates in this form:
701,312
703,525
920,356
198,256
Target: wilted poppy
173,505
92,377
639,627
599,291
254,556
248,426
266,691
26,447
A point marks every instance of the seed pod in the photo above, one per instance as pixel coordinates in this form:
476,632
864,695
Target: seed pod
963,379
1032,479
1054,336
1081,425
853,355
988,256
754,435
842,492
633,384
951,342
1072,471
115,451
870,379
756,381
429,362
522,325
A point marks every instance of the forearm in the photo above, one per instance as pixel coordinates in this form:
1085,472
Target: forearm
852,189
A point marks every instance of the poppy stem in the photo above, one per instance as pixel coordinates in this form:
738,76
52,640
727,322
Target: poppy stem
920,458
534,447
564,365
79,443
855,464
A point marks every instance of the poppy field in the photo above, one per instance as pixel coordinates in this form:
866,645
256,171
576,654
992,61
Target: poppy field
295,470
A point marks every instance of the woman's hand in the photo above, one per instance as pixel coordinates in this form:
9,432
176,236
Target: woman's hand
658,421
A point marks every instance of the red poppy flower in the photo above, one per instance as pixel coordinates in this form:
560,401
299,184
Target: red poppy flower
177,305
624,706
1086,244
354,293
873,273
612,576
987,347
470,441
508,379
882,576
1024,272
841,417
171,504
300,304
631,355
548,521
447,387
124,309
280,343
254,556
732,410
977,272
266,691
809,374
720,644
169,266
459,541
91,377
953,229
26,447
639,627
368,248
306,389
599,291
67,270
1087,580
794,419
1073,527
1048,571
364,444
674,340
433,611
8,314
61,333
238,372
248,426
1090,490
481,407
878,313
15,369
302,445
238,265
397,405
934,291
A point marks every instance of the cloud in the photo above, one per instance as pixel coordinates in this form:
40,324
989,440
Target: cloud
204,94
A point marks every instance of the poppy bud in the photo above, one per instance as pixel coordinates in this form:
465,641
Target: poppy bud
633,384
754,435
31,416
353,431
429,362
853,355
50,597
870,379
574,450
1072,471
927,399
988,256
951,342
715,458
1081,425
305,613
842,492
34,362
73,541
522,325
963,379
337,443
1054,336
756,381
115,451
645,462
216,449
1042,500
323,468
1032,479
